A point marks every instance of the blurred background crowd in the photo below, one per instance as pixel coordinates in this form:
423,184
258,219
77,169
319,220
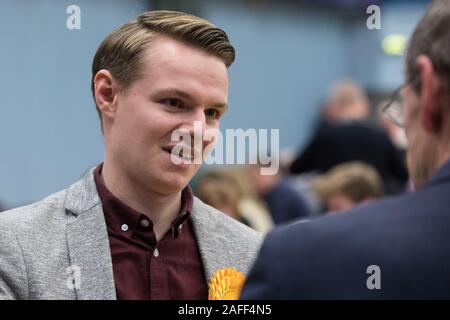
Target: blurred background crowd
351,159
312,69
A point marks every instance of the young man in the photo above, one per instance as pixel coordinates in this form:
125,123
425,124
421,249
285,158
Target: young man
131,228
395,248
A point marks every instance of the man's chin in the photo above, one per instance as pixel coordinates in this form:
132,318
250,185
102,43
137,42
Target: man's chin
172,183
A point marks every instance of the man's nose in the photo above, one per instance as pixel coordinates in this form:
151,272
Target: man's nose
195,123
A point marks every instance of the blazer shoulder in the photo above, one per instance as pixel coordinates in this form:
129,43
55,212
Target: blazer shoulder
230,226
47,209
224,231
23,232
363,233
223,241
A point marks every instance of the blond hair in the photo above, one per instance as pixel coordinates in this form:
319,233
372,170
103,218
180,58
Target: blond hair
357,180
121,51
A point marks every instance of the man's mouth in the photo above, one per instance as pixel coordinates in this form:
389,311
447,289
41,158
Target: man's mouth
180,154
168,150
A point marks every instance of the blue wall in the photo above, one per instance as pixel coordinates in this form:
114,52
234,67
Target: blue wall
374,68
285,61
49,130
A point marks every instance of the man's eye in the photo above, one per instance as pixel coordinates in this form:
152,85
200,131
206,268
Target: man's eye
175,103
212,113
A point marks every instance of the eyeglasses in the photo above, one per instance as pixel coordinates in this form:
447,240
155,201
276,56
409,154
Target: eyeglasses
394,107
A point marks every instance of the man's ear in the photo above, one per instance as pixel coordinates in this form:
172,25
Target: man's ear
105,89
431,108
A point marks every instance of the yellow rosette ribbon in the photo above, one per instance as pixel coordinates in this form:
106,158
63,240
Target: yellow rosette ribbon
226,284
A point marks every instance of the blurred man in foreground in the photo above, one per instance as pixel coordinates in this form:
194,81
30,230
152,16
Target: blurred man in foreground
395,248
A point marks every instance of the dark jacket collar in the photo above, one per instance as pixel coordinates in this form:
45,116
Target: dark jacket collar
440,176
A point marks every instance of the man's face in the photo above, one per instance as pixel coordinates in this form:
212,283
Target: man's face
179,85
421,153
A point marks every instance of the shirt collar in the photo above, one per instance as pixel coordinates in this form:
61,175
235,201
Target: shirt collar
117,213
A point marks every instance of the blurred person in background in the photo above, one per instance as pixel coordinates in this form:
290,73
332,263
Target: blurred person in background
348,185
300,183
347,101
284,202
220,192
131,227
395,248
348,136
229,191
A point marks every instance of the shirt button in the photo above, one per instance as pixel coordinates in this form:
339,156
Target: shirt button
124,227
145,223
156,253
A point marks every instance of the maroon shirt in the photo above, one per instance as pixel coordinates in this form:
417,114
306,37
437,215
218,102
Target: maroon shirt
144,268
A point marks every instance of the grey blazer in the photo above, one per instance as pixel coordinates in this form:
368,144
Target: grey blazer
58,248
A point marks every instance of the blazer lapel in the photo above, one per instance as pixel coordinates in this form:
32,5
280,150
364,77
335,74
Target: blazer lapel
88,242
212,242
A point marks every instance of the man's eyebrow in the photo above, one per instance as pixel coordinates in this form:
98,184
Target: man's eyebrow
222,105
186,95
175,92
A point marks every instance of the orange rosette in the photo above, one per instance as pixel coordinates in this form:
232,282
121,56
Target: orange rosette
226,284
